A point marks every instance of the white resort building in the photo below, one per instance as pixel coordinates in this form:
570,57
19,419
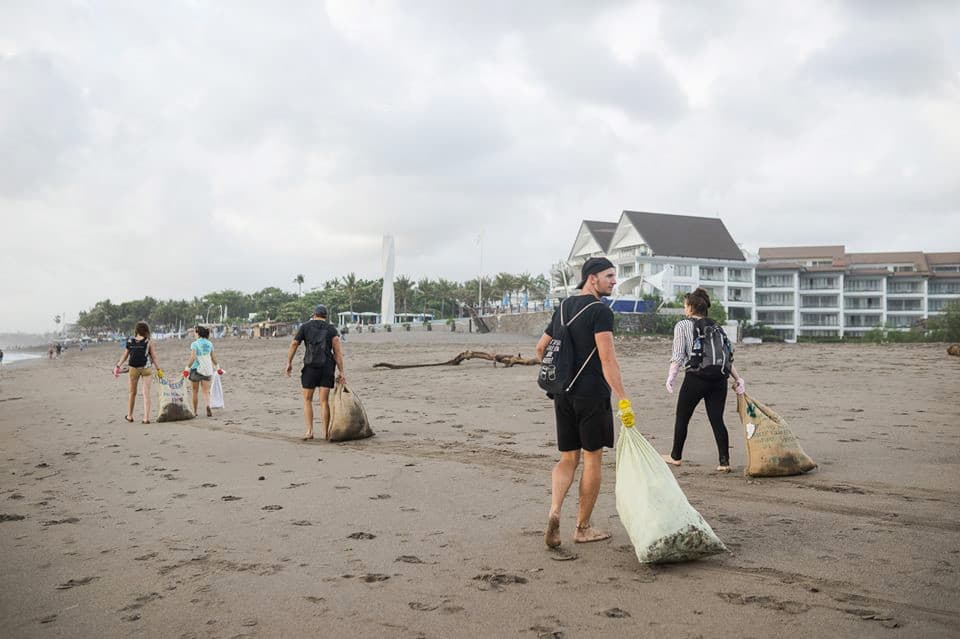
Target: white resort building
694,251
813,291
824,291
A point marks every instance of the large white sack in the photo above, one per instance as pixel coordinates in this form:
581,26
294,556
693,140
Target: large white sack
661,523
216,393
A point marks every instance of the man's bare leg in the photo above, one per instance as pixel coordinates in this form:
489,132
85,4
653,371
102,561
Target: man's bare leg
563,474
589,490
308,412
324,412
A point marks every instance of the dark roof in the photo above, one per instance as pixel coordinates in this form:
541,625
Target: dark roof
602,232
685,235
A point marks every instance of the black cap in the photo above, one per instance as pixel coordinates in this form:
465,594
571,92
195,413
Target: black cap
320,310
591,266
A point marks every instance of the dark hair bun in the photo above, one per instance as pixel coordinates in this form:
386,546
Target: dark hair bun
704,295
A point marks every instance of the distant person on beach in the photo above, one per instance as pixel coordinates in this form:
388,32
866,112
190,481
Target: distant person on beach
50,351
59,349
201,347
584,415
139,350
322,359
697,383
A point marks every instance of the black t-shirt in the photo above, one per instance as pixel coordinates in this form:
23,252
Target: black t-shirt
311,332
596,319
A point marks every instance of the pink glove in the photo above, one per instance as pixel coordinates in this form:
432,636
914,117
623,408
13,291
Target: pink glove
740,386
672,375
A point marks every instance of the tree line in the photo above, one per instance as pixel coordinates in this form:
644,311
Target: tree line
440,297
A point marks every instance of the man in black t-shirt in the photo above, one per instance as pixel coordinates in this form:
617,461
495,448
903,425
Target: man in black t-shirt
584,415
322,359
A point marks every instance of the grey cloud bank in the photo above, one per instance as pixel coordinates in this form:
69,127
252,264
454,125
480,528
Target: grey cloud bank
178,148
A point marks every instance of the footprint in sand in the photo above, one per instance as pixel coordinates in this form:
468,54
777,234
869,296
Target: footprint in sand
230,498
73,583
361,535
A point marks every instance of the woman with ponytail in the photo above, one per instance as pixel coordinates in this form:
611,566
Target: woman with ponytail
697,385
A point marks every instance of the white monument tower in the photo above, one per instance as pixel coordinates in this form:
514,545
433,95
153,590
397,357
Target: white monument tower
386,301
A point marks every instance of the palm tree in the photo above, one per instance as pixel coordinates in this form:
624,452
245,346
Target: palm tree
351,288
299,280
403,288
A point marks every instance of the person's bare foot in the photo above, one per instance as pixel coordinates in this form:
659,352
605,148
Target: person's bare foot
307,437
552,536
209,412
587,533
670,460
723,469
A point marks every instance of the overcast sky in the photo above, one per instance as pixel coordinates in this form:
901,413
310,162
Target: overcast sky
179,147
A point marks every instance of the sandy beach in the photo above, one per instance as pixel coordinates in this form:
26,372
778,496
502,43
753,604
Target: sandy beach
231,527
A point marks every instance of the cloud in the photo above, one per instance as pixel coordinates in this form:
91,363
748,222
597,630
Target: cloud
176,148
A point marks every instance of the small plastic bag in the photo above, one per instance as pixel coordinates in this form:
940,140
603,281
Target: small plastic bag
216,392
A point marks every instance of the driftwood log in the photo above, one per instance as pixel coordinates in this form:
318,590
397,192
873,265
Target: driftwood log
506,360
954,349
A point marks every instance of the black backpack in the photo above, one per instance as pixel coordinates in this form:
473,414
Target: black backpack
138,352
316,345
712,352
557,374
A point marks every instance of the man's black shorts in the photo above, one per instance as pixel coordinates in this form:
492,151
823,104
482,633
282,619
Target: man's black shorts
583,422
313,376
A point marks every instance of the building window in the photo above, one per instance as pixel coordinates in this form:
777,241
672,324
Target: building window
904,269
683,270
711,273
856,285
945,288
739,295
818,283
626,270
774,299
775,281
819,301
775,317
904,305
900,288
947,268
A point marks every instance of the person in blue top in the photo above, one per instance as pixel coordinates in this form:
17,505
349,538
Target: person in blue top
200,369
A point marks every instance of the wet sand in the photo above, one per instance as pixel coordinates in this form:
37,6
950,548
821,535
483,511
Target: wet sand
231,527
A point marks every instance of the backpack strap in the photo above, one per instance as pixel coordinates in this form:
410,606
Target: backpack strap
590,356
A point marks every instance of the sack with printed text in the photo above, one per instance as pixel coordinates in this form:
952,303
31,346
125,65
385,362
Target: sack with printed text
173,399
772,448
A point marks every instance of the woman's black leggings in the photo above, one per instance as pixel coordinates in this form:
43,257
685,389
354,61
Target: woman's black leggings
714,394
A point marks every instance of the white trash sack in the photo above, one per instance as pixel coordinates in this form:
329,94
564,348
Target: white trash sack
216,392
661,523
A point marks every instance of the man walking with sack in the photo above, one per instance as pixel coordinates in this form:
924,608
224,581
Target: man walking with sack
583,412
323,357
